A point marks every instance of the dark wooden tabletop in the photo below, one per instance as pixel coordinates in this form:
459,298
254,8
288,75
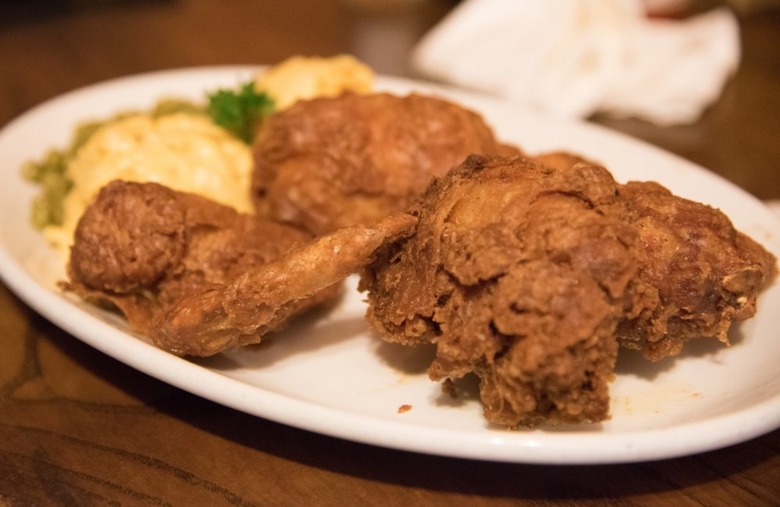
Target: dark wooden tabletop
79,428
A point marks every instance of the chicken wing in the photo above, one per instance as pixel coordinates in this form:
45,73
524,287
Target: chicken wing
158,256
257,301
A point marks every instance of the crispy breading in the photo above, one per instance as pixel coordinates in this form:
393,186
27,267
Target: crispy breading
329,162
159,255
529,275
257,301
697,273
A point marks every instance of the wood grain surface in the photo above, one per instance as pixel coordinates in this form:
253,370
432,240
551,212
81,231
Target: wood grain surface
79,428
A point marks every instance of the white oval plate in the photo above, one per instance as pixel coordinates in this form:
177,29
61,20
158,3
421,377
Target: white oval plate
333,376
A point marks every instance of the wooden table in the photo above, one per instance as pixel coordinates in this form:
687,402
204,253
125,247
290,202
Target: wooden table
79,428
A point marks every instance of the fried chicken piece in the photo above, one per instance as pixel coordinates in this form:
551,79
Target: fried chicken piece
697,273
253,304
515,276
330,162
142,247
530,274
150,251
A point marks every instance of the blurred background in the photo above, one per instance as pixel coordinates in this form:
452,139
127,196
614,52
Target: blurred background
53,46
117,432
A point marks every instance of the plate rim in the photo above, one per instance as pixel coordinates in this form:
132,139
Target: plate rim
504,447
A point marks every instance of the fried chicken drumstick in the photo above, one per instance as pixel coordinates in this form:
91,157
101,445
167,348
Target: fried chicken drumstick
197,277
530,276
335,161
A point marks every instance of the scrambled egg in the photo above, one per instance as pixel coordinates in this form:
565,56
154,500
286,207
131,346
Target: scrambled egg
301,77
183,151
188,152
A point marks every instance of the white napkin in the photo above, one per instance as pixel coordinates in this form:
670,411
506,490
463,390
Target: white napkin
578,57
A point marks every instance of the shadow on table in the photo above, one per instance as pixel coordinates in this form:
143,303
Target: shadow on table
469,477
424,472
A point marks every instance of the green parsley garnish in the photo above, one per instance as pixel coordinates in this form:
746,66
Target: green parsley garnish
238,111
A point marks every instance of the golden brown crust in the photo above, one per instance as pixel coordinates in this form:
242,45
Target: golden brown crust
142,247
256,302
502,275
697,273
529,275
336,161
198,278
